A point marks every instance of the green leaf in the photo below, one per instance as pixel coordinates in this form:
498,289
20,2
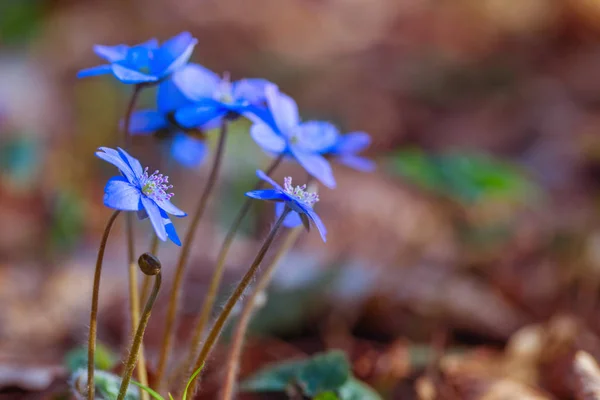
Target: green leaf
77,358
327,396
150,391
324,372
274,378
108,385
465,177
354,389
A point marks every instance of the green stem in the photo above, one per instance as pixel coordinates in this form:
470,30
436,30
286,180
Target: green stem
183,258
94,310
215,283
237,342
215,331
139,335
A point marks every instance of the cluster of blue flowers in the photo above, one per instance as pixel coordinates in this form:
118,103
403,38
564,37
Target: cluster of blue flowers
191,100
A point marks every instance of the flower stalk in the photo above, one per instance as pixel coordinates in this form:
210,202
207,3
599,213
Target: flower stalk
217,327
94,308
184,255
237,342
134,297
149,266
217,276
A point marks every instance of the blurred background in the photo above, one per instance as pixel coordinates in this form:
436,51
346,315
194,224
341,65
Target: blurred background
468,263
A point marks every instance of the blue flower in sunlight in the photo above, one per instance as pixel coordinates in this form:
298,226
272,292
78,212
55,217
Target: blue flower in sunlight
143,63
216,97
346,148
135,190
187,145
283,132
295,198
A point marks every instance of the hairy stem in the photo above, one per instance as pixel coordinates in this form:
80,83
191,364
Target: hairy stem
94,310
215,283
134,297
147,282
237,342
137,339
183,258
216,329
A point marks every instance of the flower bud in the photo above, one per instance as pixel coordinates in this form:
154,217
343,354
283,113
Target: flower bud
149,264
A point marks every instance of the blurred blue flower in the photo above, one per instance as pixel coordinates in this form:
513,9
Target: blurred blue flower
143,63
137,191
215,98
295,198
282,132
346,148
186,148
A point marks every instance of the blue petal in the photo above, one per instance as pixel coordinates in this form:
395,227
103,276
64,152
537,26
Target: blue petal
317,136
291,220
138,58
267,194
199,114
121,195
111,53
250,90
135,165
147,121
173,54
155,217
188,151
266,178
357,163
196,82
267,139
317,221
171,233
259,115
283,108
94,71
130,76
112,156
170,208
151,44
352,143
169,97
316,165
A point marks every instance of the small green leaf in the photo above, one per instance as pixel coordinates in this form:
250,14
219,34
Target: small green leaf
274,378
324,372
77,358
150,391
327,396
321,373
108,385
171,396
354,389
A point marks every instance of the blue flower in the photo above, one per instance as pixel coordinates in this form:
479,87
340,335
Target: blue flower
214,97
137,191
295,198
346,148
143,63
283,132
188,150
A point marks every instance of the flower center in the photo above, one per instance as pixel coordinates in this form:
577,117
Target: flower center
224,92
155,186
299,192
